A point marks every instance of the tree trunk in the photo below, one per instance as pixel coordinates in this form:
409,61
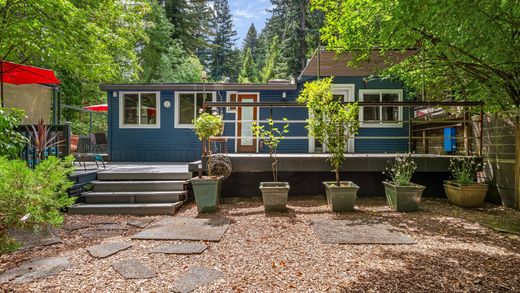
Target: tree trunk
337,177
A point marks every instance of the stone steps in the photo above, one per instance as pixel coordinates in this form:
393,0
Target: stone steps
139,209
134,197
158,185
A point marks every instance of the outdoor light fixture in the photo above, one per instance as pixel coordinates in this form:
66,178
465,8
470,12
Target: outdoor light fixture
365,81
284,95
167,104
114,94
203,75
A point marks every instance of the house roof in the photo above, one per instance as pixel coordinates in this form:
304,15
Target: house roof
197,87
333,64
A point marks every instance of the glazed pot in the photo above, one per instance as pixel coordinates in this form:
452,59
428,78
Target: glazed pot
466,196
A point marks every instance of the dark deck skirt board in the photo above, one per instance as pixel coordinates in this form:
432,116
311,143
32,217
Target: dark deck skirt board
318,163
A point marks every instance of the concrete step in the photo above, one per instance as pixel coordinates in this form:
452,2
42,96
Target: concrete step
110,175
133,197
163,185
139,209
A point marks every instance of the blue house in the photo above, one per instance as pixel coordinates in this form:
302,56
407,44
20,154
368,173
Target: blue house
153,122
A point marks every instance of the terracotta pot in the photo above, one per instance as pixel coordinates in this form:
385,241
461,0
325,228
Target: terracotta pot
342,198
274,195
403,198
467,196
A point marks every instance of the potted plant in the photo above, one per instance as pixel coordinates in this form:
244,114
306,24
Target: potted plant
463,191
332,123
274,194
401,194
207,188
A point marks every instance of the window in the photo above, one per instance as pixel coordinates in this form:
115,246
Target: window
187,106
381,116
139,110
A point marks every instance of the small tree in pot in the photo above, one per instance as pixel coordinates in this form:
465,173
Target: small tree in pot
463,191
207,188
274,194
401,194
332,123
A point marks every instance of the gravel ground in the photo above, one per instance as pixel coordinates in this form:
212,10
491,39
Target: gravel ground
279,252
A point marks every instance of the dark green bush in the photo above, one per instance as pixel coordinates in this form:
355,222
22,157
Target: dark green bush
11,141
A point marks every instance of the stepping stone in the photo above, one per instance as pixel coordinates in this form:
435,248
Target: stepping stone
74,227
30,239
133,269
112,227
105,250
182,248
347,232
34,269
185,229
140,223
100,234
99,222
194,278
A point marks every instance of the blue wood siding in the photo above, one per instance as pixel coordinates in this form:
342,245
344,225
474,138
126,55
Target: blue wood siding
170,144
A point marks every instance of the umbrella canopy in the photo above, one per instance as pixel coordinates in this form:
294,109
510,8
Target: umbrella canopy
97,108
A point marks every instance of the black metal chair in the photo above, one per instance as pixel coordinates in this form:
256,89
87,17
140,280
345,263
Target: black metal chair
99,144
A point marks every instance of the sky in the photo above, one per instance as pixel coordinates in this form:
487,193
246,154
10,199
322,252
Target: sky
246,12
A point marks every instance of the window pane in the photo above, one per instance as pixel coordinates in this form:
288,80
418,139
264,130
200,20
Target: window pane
371,114
186,108
390,114
130,102
148,109
209,98
390,97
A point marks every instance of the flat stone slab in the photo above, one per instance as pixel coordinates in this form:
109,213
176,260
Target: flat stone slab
133,269
34,269
348,232
108,249
100,234
185,229
182,248
140,223
74,227
194,278
30,239
100,222
112,227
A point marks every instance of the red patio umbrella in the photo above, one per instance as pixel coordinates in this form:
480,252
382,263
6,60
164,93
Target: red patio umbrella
24,74
97,108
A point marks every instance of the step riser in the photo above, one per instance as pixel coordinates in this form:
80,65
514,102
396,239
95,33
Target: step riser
92,199
128,186
138,211
109,176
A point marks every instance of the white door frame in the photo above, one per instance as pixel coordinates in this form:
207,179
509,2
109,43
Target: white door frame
348,92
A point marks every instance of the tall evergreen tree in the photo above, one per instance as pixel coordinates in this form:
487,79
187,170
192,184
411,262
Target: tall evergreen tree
274,67
248,71
251,42
221,61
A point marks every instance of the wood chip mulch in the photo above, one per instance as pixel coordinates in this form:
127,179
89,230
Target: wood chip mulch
278,252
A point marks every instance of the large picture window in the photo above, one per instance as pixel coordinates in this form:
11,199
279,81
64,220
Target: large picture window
187,105
139,110
380,116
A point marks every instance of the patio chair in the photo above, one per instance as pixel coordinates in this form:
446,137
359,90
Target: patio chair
218,144
99,147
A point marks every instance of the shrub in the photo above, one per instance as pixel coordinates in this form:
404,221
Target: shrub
29,198
402,169
11,141
206,126
272,138
463,170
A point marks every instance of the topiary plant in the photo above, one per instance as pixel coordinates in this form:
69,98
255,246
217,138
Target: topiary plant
206,126
330,121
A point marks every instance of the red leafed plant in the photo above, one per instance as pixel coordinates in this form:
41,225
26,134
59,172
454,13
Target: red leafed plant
43,138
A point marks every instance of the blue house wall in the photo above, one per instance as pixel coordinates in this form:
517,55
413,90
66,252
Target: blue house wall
170,144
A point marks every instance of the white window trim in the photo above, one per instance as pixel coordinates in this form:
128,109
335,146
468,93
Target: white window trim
339,89
228,99
177,102
122,110
381,124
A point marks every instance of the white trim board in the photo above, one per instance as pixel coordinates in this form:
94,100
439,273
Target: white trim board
381,124
176,123
140,126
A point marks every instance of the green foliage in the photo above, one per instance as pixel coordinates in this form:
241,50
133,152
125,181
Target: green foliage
32,198
330,121
272,138
11,141
221,60
463,170
472,54
207,125
248,72
401,170
251,42
274,67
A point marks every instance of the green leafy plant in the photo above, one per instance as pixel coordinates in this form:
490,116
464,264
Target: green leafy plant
330,121
463,170
271,138
206,126
11,141
401,170
29,198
